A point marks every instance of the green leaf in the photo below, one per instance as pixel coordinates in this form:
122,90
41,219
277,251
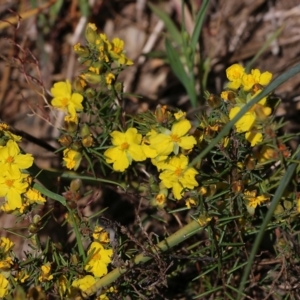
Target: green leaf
50,194
84,7
180,72
198,24
170,26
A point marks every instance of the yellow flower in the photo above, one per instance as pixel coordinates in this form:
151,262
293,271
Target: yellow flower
126,147
94,70
109,78
103,295
159,161
4,129
64,99
12,188
71,159
6,208
34,196
234,74
190,202
4,286
170,141
246,122
160,199
177,175
100,235
5,245
203,220
267,153
12,161
179,115
84,283
71,119
253,137
225,95
21,276
256,77
103,46
45,273
6,263
98,259
252,200
116,51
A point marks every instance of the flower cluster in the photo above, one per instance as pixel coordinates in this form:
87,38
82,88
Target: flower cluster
100,56
242,88
165,147
15,182
99,257
102,60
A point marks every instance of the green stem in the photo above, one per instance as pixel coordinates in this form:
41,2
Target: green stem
176,238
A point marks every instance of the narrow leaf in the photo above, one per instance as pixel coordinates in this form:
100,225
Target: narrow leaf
170,26
198,24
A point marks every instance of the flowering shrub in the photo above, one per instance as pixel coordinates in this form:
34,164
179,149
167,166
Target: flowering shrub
225,190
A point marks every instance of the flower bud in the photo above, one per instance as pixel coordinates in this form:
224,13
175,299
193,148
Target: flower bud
36,219
81,51
76,146
65,140
249,162
214,101
75,185
85,133
229,96
90,93
79,84
75,259
161,113
118,87
71,124
224,118
91,33
33,228
3,141
84,61
85,130
91,77
87,141
237,186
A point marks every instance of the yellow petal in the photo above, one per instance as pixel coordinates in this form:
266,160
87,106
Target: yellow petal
254,137
265,78
181,128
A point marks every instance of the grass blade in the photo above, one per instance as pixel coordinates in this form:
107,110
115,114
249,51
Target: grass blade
170,26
